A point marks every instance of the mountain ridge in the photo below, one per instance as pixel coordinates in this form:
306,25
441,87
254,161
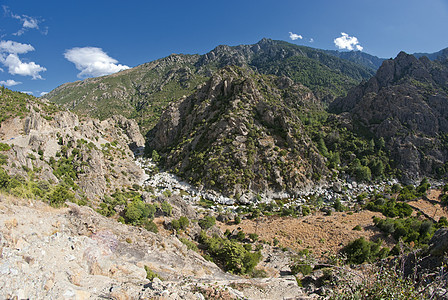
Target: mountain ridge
144,91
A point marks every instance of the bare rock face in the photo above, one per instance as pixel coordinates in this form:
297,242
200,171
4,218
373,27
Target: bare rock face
240,132
75,253
406,103
439,242
132,131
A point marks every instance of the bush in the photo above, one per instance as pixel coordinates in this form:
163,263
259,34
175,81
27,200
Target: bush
360,251
409,229
60,195
253,237
207,222
183,222
175,224
357,228
237,220
4,147
190,245
150,226
166,208
138,212
231,255
240,236
301,267
150,274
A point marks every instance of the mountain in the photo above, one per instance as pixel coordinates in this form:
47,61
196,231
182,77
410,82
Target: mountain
143,92
406,103
239,132
439,55
358,57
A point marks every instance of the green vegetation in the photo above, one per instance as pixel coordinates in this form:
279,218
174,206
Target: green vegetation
355,152
232,256
207,222
390,207
150,274
181,223
360,251
409,230
190,245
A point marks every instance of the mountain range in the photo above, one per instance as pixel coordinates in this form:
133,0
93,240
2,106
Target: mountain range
312,153
275,116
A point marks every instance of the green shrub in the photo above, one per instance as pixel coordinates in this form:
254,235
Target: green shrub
231,255
166,208
150,226
360,251
207,222
357,228
240,236
150,274
305,210
3,159
4,147
237,220
59,195
175,224
253,237
301,267
190,245
184,222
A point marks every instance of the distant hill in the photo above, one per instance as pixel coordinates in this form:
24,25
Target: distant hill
144,91
358,57
439,55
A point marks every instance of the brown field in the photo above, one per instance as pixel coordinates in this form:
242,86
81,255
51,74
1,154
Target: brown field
322,234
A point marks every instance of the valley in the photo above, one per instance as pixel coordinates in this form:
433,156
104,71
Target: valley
261,171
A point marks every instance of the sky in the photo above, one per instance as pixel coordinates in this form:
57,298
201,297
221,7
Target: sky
44,44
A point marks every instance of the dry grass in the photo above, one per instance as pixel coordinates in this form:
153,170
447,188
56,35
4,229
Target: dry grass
433,209
319,233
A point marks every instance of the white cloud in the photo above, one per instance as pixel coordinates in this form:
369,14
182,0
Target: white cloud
15,47
27,92
311,40
347,42
18,67
9,82
43,93
93,62
27,22
294,36
9,51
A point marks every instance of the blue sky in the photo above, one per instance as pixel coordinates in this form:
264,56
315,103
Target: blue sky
44,44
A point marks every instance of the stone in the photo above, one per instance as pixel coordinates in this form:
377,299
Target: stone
438,245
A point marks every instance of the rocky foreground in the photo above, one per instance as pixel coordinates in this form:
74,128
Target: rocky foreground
75,253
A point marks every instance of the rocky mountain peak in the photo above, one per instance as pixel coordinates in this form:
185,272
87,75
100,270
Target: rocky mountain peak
240,132
406,103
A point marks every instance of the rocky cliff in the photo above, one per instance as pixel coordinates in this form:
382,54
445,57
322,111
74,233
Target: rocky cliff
53,146
240,131
406,103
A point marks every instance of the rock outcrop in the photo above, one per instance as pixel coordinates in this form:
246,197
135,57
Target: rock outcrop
99,152
239,132
75,253
406,103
